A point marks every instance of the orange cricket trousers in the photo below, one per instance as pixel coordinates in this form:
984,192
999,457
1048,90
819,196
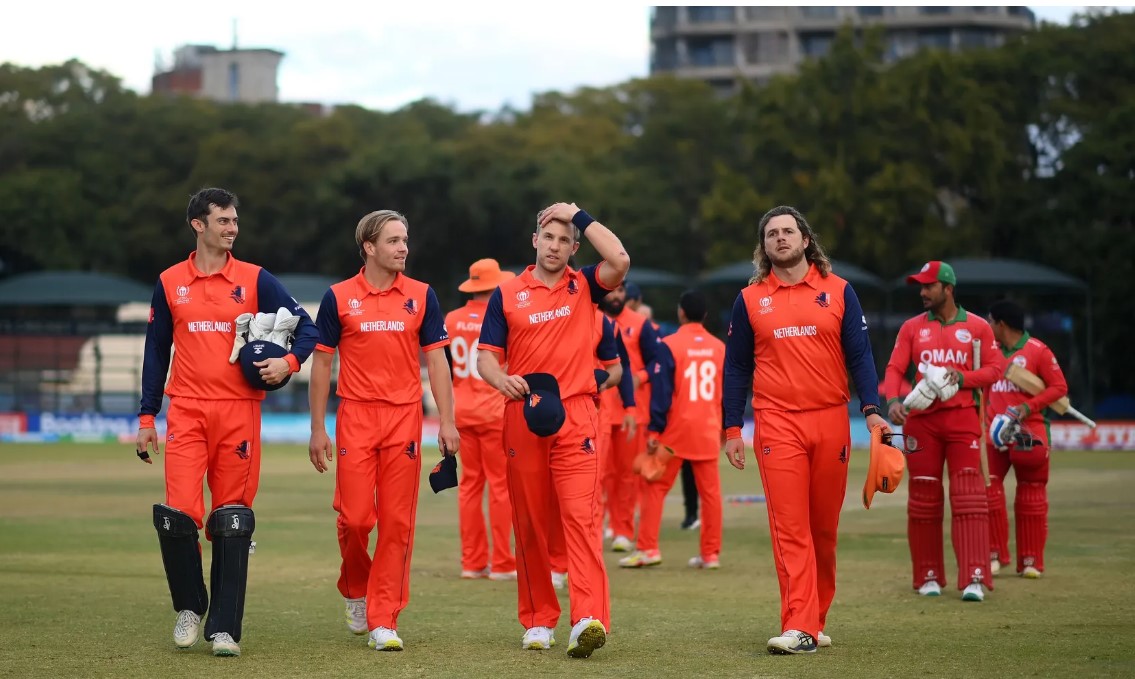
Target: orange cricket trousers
566,464
803,458
707,477
215,439
377,477
483,463
621,483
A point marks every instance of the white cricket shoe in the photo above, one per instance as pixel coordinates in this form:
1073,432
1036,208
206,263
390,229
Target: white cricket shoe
356,615
930,588
994,567
621,543
1030,572
224,646
502,577
538,639
187,629
587,636
475,575
975,591
384,639
608,534
823,640
712,563
559,580
791,643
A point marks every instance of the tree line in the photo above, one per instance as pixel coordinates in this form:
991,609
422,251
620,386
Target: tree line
1024,151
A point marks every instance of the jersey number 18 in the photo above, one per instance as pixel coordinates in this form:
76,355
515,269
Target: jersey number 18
702,377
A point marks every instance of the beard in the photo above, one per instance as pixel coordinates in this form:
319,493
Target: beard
787,260
611,307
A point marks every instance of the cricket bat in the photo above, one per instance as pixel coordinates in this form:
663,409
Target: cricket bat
1032,385
983,454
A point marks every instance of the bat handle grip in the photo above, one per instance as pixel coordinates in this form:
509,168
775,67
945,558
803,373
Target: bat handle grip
1081,417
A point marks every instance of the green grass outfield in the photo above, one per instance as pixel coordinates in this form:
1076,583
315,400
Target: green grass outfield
84,593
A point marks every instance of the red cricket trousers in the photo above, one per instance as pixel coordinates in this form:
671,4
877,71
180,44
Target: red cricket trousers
707,477
377,477
803,459
483,464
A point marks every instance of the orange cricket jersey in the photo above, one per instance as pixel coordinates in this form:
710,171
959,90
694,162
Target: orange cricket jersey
378,334
795,344
477,403
537,328
195,314
685,398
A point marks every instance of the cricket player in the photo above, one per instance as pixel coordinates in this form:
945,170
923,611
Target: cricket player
543,322
685,409
1020,438
378,321
796,331
213,422
480,413
940,413
622,484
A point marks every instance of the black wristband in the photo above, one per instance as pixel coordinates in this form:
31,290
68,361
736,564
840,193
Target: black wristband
582,220
872,410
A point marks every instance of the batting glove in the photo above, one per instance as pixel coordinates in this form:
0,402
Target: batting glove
242,323
1003,430
936,378
261,326
920,397
286,323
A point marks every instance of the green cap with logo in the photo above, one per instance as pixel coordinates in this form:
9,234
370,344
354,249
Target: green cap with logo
932,272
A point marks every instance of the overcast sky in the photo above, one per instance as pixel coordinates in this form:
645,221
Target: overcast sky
381,54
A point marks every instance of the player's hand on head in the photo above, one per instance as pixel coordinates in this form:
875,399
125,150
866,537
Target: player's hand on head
560,212
735,452
321,451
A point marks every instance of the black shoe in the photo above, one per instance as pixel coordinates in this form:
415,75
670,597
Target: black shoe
690,523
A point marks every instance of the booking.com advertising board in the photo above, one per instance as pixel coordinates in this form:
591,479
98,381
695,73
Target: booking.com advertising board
295,428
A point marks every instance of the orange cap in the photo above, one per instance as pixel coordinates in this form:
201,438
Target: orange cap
651,466
484,276
884,472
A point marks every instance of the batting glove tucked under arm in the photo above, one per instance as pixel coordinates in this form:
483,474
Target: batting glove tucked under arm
936,378
920,397
242,322
286,323
261,326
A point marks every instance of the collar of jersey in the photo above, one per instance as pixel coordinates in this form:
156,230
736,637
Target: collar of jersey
961,317
1009,351
365,288
809,278
530,281
226,270
691,327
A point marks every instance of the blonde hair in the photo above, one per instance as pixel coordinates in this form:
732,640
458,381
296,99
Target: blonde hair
370,227
813,253
574,229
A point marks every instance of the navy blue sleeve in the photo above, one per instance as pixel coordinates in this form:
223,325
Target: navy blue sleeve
661,387
607,351
433,328
626,383
494,328
857,349
155,358
598,292
271,295
327,320
739,366
648,343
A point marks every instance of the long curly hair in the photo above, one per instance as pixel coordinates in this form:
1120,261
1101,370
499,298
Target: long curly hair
814,252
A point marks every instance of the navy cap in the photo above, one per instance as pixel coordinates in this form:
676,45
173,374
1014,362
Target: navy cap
601,376
255,351
632,290
543,409
444,474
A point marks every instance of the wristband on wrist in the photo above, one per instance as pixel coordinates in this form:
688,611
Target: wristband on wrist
872,410
582,220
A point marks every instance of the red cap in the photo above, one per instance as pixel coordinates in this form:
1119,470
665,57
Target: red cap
933,272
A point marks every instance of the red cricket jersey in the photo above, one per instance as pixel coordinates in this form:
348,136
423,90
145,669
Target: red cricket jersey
685,406
476,403
1035,356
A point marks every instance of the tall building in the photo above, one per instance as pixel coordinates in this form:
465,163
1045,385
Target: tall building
726,45
226,75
